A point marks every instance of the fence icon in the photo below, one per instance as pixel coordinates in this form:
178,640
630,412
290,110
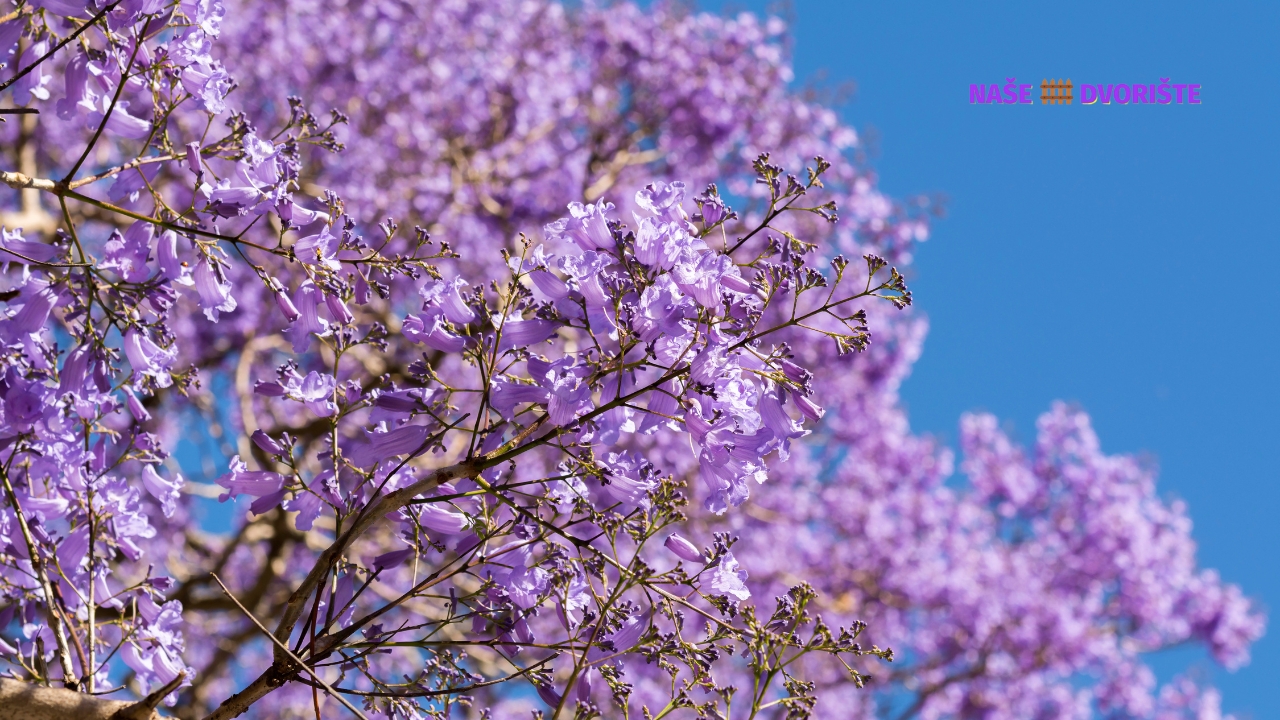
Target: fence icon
1056,92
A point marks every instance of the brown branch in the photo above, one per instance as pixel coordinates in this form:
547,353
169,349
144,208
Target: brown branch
374,512
294,658
38,564
145,709
23,701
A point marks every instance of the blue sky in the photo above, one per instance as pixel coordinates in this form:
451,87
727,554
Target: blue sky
1121,257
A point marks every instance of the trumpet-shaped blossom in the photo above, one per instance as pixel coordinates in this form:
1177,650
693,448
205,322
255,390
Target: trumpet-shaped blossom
148,359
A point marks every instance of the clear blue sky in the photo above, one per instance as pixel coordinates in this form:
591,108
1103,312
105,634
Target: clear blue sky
1122,257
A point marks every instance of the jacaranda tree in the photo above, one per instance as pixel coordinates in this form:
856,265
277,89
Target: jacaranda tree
556,350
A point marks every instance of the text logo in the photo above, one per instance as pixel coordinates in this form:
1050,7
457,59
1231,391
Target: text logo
1014,94
1161,93
1062,92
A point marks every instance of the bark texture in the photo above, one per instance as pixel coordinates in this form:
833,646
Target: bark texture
24,701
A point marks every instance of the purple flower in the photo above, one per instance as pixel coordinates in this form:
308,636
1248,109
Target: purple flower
560,386
587,226
32,87
315,391
663,199
268,445
70,8
319,249
446,522
343,608
703,276
683,549
377,447
661,244
403,402
127,254
808,408
9,33
505,394
623,639
269,388
77,98
527,585
361,291
795,373
778,421
167,258
267,502
154,652
661,410
548,693
586,270
193,160
147,358
135,407
393,559
166,491
120,121
662,311
339,310
206,14
308,503
135,8
240,480
522,333
287,308
13,248
214,289
727,578
38,300
308,301
25,402
712,207
206,80
130,184
255,186
630,479
445,295
550,285
298,216
430,329
75,371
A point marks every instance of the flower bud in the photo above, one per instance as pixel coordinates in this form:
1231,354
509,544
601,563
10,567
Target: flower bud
393,559
712,213
548,693
286,306
683,549
135,407
270,389
193,159
338,309
361,289
264,441
795,373
810,410
736,283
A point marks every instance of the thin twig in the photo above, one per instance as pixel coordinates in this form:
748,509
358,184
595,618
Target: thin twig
23,73
37,564
328,688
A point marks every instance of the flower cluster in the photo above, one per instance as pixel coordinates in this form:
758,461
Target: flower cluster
490,474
